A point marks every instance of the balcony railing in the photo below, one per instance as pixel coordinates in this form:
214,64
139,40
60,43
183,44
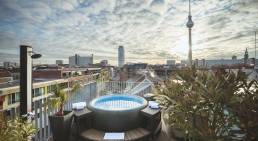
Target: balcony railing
89,91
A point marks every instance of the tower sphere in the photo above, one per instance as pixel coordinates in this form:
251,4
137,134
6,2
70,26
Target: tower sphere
190,23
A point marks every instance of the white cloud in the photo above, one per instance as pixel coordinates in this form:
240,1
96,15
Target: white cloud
146,28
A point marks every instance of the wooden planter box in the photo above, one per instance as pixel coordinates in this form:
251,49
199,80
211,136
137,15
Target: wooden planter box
61,126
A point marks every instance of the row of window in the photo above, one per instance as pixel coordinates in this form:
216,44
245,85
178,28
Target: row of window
38,92
15,97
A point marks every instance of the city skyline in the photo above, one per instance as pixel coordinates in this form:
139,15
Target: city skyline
151,31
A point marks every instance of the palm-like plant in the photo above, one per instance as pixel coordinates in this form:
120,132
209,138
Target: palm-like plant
60,97
103,75
60,122
58,101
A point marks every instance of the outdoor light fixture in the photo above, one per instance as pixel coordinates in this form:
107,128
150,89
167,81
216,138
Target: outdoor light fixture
35,55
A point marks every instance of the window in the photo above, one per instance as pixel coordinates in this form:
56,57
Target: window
38,92
42,90
35,92
13,98
17,97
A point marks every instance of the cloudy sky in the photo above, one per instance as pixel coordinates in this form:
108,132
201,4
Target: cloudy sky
150,30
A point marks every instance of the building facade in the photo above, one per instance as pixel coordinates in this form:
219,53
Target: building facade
42,88
171,62
104,63
223,62
81,61
10,64
59,62
121,56
10,93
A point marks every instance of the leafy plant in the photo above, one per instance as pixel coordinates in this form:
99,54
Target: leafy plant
60,97
103,75
245,107
16,129
4,129
198,102
21,130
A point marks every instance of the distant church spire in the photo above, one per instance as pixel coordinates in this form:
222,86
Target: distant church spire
246,56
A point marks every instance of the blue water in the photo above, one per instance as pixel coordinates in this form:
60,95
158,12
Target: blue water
118,102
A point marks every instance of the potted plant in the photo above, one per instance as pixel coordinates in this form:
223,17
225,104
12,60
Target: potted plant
60,122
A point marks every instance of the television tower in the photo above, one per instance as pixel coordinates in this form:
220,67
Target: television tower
255,49
189,25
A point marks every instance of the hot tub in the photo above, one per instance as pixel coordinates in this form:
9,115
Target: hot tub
116,113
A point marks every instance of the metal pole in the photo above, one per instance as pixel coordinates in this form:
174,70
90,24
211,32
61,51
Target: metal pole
166,74
90,88
25,79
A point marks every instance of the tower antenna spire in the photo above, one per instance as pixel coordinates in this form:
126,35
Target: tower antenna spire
189,7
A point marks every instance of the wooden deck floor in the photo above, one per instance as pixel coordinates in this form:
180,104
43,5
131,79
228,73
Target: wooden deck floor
161,137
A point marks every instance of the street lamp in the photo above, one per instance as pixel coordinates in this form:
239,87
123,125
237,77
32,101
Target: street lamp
26,56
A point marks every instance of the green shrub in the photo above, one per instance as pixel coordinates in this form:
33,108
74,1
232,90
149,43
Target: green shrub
245,107
16,129
206,105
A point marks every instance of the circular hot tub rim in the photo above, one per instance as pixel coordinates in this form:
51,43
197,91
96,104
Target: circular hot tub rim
119,120
143,103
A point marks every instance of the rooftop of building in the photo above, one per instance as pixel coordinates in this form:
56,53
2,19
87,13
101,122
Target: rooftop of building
17,82
46,68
